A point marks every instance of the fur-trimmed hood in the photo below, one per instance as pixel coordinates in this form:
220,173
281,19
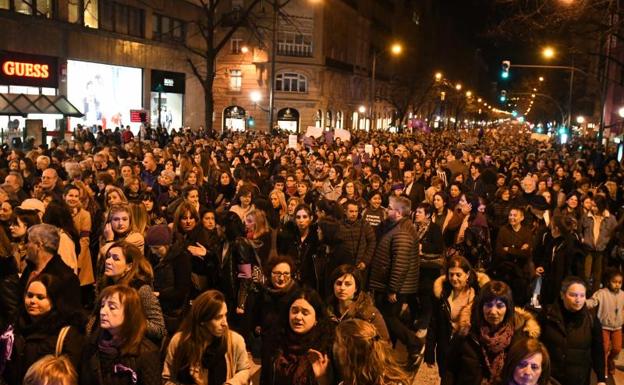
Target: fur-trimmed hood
525,321
438,285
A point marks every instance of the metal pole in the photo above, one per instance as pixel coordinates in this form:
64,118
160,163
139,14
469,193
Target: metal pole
605,77
273,58
570,97
159,108
372,90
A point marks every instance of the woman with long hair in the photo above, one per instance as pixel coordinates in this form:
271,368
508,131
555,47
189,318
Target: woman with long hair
332,187
305,341
118,352
125,264
153,211
478,357
364,357
454,293
58,214
224,193
244,199
81,219
280,209
350,301
205,351
259,235
21,221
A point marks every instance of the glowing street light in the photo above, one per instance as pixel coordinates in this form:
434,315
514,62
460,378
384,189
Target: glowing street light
458,86
479,100
438,76
244,49
541,78
255,96
580,119
548,52
362,109
468,94
621,112
396,49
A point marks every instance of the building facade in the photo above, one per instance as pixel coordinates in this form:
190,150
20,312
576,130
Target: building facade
114,58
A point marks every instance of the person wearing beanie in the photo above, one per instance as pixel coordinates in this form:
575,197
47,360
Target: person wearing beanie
172,274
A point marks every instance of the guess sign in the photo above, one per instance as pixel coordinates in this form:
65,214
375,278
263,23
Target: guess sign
28,70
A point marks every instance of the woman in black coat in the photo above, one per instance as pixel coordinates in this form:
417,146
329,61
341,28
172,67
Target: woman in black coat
271,305
478,358
573,336
40,323
118,352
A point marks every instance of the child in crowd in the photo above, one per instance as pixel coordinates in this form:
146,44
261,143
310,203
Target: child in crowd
610,302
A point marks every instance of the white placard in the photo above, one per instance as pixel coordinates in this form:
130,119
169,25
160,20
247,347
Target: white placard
368,148
344,135
314,131
292,141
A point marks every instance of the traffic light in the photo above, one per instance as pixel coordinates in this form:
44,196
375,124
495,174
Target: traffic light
506,66
503,96
251,121
514,113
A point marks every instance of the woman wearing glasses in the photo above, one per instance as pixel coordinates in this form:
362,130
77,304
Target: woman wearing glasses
272,303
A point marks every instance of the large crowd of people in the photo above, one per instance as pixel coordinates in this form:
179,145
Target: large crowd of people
185,257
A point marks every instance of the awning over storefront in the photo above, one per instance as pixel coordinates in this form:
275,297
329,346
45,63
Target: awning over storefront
22,104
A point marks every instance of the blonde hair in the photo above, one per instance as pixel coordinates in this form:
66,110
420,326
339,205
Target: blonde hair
364,357
281,197
261,226
51,370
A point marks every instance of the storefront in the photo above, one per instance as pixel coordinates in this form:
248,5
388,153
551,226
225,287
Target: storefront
30,104
234,118
167,99
288,119
104,93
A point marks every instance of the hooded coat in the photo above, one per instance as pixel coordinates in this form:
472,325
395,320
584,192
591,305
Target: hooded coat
466,358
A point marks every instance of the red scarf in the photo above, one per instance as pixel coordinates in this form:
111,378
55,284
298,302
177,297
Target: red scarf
494,347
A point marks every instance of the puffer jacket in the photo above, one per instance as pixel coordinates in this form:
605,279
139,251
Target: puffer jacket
441,330
466,360
395,265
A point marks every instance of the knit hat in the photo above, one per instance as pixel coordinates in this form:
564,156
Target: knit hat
158,235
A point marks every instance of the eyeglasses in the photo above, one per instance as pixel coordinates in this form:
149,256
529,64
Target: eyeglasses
280,274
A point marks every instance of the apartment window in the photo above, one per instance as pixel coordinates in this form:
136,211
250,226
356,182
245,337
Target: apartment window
291,82
294,44
236,80
168,29
236,45
121,18
84,12
42,8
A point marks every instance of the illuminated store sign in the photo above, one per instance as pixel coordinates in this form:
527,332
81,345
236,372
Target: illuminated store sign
28,70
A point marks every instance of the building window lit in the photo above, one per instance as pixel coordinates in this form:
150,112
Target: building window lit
236,80
84,12
121,18
236,45
166,28
294,44
42,8
291,82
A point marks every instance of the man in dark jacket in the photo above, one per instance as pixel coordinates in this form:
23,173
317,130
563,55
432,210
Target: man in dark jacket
356,239
42,258
394,273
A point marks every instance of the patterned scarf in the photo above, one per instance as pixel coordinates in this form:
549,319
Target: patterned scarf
494,348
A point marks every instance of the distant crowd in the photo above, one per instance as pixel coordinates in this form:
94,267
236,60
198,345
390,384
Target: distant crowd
184,257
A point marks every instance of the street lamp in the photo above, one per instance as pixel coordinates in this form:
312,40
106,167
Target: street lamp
361,109
580,119
255,96
548,52
244,49
621,112
458,86
468,94
541,78
438,76
395,49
